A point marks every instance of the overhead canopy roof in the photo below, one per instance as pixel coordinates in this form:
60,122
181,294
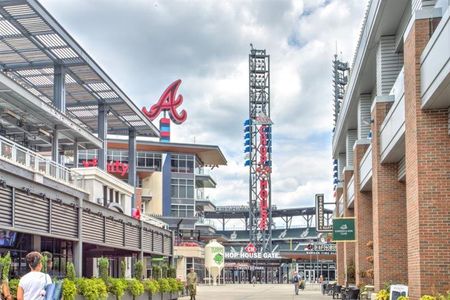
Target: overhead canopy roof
241,212
32,42
208,154
29,121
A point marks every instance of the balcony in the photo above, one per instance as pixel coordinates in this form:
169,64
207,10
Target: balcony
351,192
435,67
41,166
340,210
365,171
392,139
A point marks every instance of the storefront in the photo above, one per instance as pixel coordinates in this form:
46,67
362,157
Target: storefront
311,271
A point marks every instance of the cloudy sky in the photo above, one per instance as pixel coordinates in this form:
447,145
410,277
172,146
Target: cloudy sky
145,45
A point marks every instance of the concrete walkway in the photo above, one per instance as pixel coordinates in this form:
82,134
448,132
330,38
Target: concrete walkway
257,292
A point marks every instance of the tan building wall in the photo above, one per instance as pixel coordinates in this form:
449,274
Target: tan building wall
183,252
152,185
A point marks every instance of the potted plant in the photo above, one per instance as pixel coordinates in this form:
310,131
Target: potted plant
136,289
117,287
69,289
164,288
138,269
151,286
103,268
383,295
92,288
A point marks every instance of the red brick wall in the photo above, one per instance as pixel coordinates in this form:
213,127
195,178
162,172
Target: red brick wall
363,222
340,266
428,180
349,247
389,218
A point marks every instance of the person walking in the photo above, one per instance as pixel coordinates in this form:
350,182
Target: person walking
191,281
32,285
296,280
254,280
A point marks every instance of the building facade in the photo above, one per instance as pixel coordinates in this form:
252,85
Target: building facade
55,101
391,145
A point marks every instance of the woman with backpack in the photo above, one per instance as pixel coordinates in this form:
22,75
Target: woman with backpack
32,285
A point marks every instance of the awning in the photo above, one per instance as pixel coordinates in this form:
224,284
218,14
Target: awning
32,43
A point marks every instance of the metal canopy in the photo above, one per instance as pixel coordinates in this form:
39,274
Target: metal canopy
32,42
241,212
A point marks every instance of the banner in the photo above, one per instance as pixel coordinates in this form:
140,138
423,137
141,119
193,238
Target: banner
344,230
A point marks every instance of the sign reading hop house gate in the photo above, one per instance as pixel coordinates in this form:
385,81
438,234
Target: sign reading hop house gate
344,229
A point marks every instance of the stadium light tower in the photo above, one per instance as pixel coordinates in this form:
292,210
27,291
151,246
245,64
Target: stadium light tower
258,150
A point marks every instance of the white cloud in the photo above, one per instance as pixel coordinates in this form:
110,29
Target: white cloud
146,45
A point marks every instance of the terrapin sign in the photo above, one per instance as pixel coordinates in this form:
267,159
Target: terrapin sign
344,229
320,215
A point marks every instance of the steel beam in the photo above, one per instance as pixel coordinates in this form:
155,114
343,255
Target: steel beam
102,135
55,146
132,164
59,88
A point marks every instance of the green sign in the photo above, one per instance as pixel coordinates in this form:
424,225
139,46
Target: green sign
344,229
218,258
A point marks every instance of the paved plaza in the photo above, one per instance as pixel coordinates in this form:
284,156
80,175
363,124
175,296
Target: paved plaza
259,291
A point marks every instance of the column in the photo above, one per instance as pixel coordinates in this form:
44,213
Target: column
340,266
103,135
389,205
59,89
55,145
388,65
349,247
132,164
78,245
75,154
427,144
363,218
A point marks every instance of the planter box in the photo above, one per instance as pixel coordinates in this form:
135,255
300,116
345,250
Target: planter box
145,296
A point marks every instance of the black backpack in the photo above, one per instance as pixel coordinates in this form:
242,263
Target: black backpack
295,278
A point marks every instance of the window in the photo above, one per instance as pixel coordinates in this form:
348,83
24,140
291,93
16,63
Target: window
182,188
182,163
86,155
149,160
182,211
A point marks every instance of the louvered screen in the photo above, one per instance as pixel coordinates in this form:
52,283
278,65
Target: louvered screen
92,228
6,206
64,220
31,212
167,245
114,233
158,242
147,240
132,236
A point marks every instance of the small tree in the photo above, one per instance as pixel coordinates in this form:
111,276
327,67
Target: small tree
156,272
123,268
103,268
138,269
70,271
164,269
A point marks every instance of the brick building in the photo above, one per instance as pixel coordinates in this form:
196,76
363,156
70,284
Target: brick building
391,143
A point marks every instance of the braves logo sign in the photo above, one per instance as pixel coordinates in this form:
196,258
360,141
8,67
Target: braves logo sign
169,101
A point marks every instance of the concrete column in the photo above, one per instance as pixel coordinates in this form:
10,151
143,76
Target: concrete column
349,247
363,218
59,88
427,158
103,135
75,154
389,206
78,246
132,164
340,265
352,136
388,65
364,117
55,145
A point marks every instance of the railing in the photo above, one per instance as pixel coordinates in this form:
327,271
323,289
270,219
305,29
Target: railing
32,161
393,127
341,206
207,222
350,191
365,169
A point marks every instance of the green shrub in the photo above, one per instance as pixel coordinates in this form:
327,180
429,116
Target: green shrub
92,288
69,289
156,272
172,273
180,285
173,285
164,285
151,286
138,269
5,262
123,268
135,287
427,297
13,285
117,287
44,264
403,298
70,273
164,271
103,268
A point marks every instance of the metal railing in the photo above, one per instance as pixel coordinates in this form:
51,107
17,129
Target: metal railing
26,158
